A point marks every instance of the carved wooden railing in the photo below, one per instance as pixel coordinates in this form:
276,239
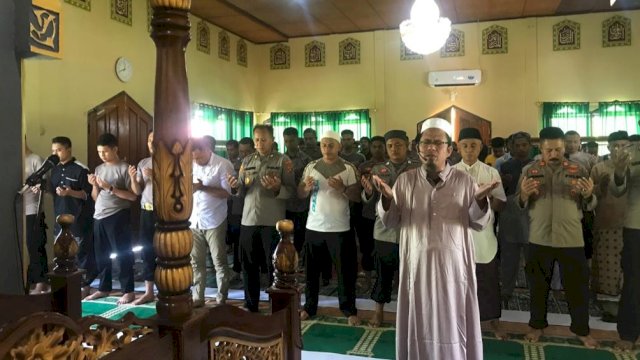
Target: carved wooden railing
49,335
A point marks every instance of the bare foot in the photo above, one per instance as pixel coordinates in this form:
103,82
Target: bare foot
126,298
588,342
85,291
534,335
145,298
304,315
497,330
353,320
623,345
97,295
378,316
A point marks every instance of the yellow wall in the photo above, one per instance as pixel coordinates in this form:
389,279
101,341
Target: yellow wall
513,84
59,93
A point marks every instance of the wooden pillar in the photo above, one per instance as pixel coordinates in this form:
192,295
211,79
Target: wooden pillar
172,161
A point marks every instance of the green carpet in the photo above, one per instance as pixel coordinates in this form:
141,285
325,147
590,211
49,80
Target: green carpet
333,335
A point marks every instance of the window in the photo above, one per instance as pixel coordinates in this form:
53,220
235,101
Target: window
357,121
567,116
598,124
616,116
223,124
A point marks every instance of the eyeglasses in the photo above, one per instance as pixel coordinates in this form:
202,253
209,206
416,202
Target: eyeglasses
429,142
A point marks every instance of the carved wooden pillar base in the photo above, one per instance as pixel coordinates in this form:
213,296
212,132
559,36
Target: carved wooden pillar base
66,293
174,274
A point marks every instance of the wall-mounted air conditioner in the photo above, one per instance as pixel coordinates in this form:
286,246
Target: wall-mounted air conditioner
454,78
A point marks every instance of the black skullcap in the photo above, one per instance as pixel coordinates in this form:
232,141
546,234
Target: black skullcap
634,138
469,133
592,144
396,134
551,133
497,142
618,135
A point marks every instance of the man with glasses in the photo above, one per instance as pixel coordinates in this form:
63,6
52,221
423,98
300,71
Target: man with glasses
434,207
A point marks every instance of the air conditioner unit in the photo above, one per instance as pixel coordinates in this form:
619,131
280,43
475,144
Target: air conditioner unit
454,78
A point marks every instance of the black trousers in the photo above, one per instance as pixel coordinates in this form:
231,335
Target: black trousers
488,281
113,235
387,260
36,242
364,228
341,249
257,244
629,310
575,278
299,228
233,239
147,229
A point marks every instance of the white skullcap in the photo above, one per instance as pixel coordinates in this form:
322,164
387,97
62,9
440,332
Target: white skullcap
437,123
329,134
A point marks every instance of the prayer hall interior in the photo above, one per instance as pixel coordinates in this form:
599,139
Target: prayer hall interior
78,68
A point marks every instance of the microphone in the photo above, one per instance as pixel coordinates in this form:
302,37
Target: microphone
37,175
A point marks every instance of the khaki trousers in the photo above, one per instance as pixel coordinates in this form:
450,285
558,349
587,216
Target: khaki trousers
214,240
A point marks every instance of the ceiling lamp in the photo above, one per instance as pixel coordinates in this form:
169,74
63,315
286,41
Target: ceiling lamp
425,31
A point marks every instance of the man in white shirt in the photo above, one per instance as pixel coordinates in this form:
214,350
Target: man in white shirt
209,218
484,241
331,182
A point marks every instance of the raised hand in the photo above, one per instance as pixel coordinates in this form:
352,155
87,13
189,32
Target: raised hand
366,184
103,184
62,190
198,185
382,187
485,189
133,172
621,163
336,183
233,181
309,182
585,186
528,187
92,179
148,172
271,182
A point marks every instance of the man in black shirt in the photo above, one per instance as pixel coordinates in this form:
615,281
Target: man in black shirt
72,195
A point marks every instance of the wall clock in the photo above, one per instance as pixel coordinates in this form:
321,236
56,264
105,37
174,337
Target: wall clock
124,69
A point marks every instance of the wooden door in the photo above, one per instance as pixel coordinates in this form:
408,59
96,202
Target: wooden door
461,119
130,123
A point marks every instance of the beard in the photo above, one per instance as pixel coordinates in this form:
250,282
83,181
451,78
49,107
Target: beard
429,166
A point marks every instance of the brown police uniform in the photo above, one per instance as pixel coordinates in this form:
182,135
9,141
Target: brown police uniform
555,234
262,209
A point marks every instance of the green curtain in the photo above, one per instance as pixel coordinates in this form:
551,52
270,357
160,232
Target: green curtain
567,116
221,123
357,121
618,115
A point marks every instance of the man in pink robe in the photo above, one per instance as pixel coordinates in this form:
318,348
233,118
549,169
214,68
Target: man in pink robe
435,207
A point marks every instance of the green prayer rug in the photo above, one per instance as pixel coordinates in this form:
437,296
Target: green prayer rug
108,308
334,335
